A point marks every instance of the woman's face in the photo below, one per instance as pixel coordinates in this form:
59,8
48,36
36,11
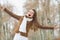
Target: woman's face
30,14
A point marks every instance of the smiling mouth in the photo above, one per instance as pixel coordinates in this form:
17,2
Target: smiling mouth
29,15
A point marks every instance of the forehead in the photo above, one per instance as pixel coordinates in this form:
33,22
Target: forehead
31,11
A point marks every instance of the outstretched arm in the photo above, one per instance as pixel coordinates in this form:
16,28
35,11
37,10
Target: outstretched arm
45,27
12,14
9,12
42,27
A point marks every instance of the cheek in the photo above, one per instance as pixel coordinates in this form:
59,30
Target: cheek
32,15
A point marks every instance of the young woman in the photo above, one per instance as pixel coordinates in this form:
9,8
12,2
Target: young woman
31,17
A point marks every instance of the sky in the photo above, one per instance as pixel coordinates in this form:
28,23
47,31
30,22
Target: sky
17,5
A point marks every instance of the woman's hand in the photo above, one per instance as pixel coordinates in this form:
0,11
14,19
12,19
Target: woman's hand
2,8
56,27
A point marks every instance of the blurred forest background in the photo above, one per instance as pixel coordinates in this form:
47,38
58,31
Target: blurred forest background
48,14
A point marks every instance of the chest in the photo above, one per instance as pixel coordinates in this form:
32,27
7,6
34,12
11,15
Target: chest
24,27
29,24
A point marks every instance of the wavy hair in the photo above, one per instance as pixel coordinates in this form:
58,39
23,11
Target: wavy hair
35,21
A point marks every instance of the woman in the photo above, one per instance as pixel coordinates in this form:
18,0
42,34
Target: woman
32,15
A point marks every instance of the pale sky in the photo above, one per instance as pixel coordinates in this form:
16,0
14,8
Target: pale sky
17,5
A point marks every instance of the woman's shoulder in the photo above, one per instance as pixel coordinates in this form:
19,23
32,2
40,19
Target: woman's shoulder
21,18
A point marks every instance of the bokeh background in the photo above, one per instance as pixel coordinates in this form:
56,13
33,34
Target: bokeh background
48,14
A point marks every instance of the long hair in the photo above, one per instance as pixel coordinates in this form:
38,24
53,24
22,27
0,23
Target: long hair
35,21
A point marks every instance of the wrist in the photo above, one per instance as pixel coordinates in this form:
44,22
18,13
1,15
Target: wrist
4,9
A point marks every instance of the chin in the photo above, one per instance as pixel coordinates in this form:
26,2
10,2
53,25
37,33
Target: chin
29,17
